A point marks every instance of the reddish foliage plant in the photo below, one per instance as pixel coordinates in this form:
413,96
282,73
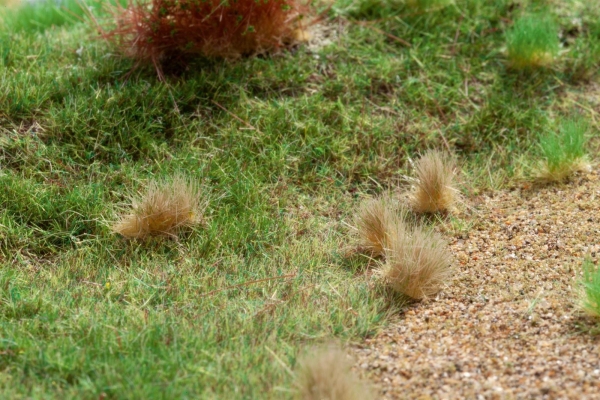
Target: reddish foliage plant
159,30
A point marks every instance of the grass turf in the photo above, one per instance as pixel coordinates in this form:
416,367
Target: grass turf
286,146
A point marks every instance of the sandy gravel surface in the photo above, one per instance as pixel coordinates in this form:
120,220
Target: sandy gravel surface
508,325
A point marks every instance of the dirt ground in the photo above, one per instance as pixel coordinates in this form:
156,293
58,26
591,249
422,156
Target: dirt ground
508,326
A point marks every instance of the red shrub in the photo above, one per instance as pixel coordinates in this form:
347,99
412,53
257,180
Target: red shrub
162,30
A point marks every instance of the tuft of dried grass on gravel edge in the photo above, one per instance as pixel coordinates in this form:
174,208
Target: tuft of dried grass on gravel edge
418,263
325,373
435,189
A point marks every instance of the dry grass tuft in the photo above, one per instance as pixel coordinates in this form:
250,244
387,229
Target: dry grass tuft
376,222
169,31
165,208
325,374
418,263
434,191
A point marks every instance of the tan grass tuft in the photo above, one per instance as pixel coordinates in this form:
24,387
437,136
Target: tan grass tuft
418,263
376,222
165,208
434,191
325,374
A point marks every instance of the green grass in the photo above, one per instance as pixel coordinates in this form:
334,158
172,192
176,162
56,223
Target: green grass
427,4
37,16
564,151
86,314
590,285
532,41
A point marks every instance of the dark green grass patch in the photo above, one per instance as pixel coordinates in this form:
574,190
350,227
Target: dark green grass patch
43,217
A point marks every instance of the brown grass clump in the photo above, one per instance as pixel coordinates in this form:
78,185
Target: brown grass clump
417,263
376,222
325,374
165,31
435,191
416,260
165,208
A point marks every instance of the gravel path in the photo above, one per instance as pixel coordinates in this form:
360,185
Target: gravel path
508,326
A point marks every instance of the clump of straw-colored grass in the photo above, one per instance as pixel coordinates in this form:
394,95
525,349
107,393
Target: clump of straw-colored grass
417,263
325,374
376,222
434,190
163,209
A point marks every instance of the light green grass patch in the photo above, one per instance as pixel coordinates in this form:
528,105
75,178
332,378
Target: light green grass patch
532,41
37,16
564,151
590,284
